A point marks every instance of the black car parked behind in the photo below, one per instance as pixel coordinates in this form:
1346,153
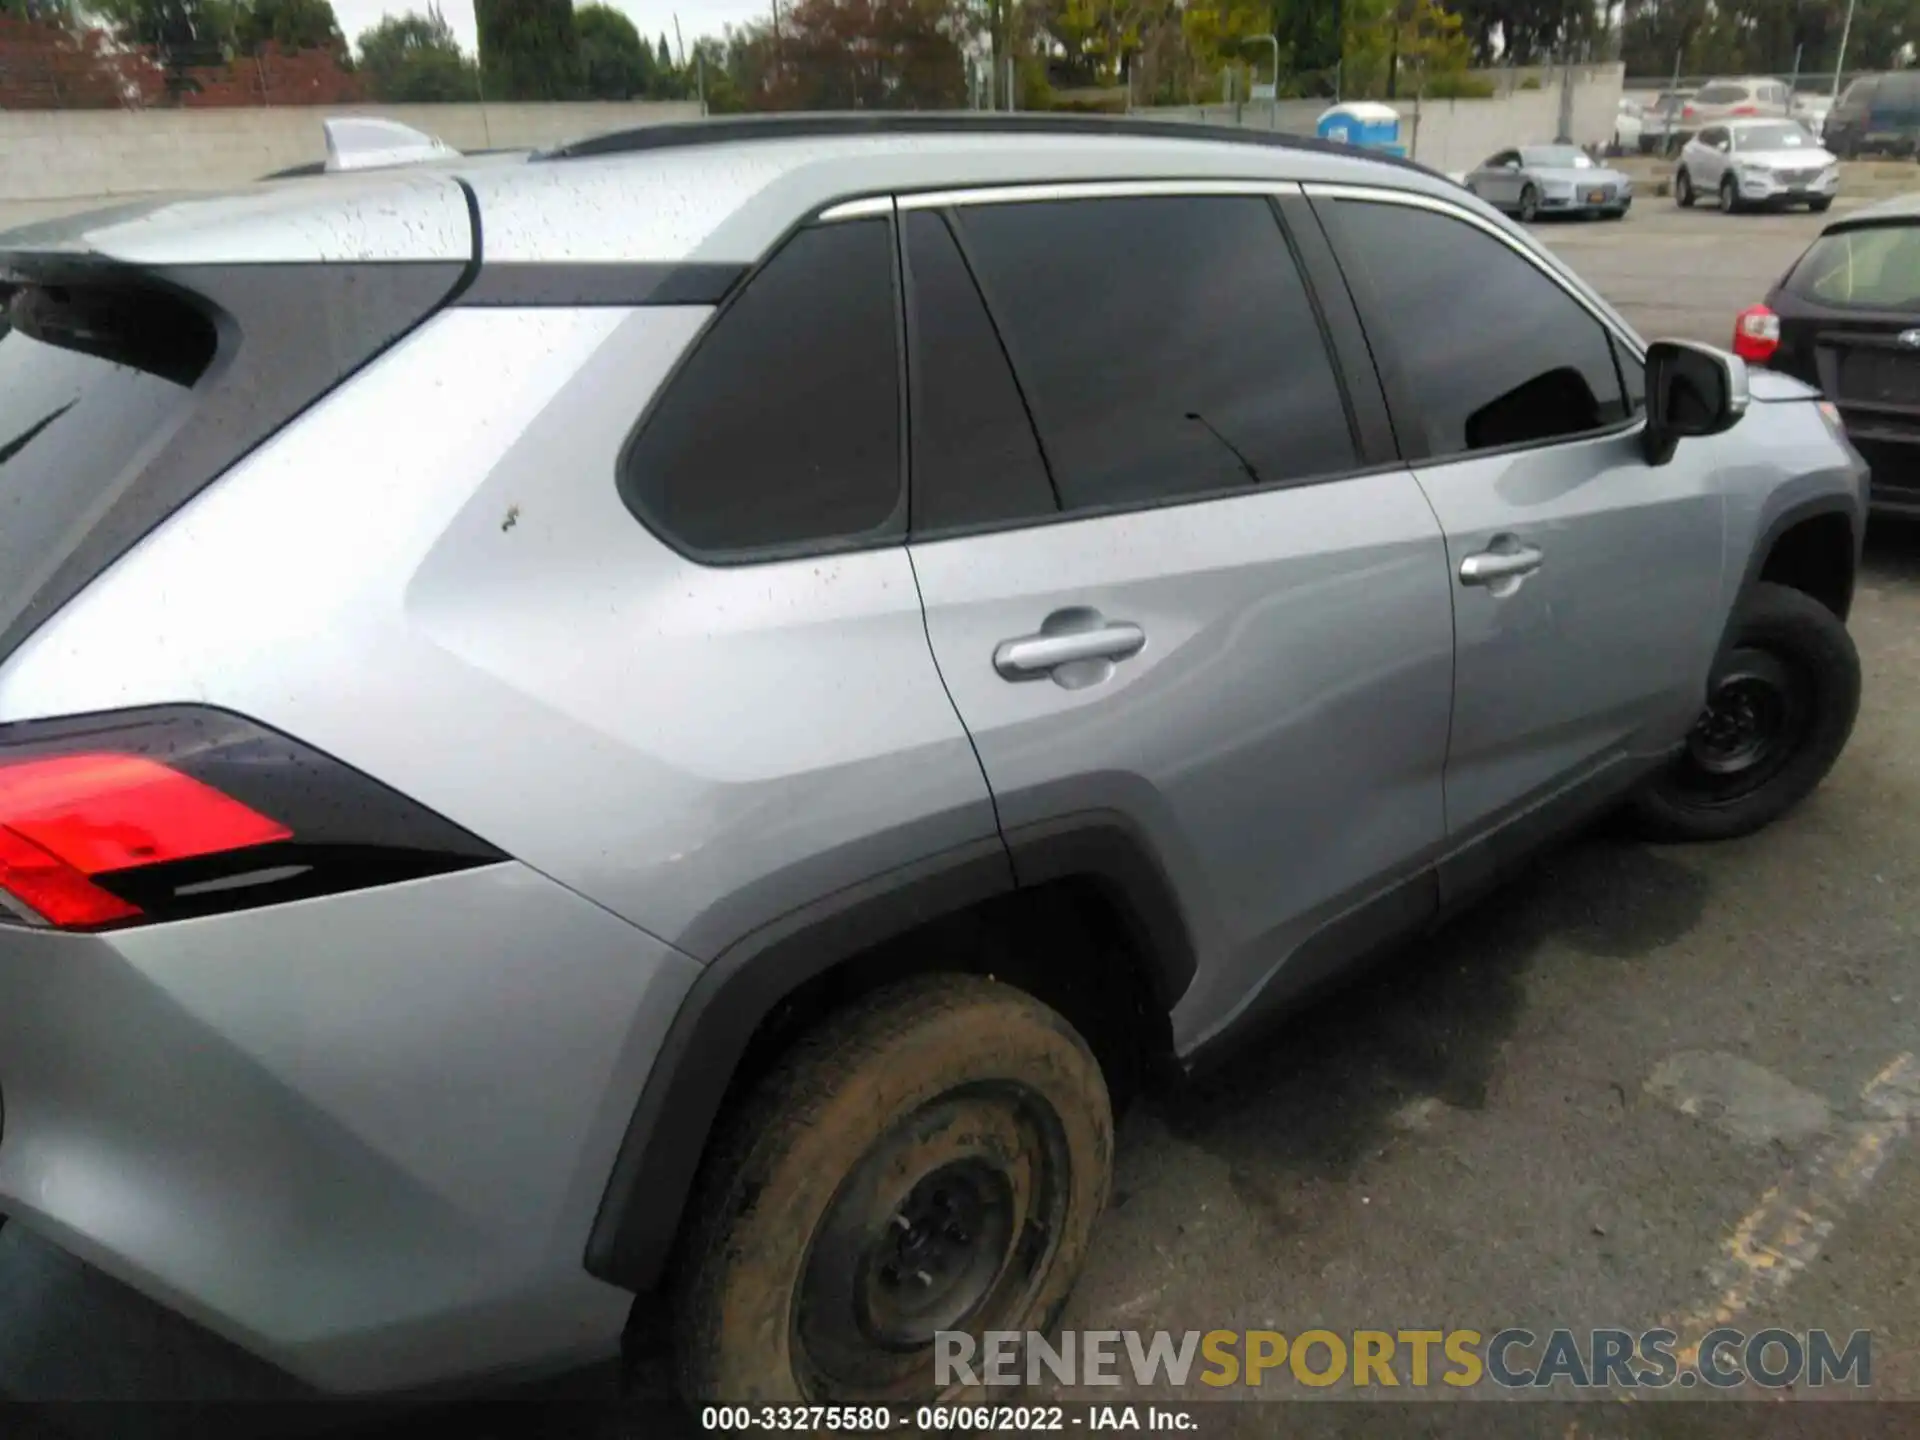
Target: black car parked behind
1846,317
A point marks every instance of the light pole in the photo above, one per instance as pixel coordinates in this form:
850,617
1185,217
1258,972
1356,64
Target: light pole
1273,100
1840,63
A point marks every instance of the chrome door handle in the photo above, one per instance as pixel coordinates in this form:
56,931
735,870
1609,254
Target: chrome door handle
1035,655
1490,567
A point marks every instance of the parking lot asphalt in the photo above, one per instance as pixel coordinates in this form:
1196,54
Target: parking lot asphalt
1687,273
1641,1085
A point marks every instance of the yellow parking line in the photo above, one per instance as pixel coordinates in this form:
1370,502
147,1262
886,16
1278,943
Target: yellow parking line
1783,1234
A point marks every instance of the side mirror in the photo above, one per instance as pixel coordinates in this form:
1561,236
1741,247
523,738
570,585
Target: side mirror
1692,390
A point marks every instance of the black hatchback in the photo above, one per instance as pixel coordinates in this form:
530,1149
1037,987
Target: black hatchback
1846,318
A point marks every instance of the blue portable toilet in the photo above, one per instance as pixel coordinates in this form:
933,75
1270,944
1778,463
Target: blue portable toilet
1365,123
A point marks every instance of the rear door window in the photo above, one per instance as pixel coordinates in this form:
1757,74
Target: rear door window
1872,268
1167,346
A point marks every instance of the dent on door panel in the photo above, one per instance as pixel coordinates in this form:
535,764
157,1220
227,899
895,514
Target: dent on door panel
1278,738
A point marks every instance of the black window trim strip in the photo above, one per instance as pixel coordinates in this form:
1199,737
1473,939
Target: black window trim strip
949,217
540,284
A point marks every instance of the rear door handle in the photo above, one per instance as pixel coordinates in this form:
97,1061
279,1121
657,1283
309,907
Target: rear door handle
1036,655
1490,567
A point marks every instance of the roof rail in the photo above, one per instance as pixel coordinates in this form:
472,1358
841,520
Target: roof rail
823,125
366,142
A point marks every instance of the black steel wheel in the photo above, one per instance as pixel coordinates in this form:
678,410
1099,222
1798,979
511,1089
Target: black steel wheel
931,1159
1780,707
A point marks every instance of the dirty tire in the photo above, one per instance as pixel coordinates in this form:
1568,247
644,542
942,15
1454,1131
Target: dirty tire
1683,190
935,1088
1782,639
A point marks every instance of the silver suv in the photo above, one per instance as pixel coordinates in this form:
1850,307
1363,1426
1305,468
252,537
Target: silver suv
665,728
1750,164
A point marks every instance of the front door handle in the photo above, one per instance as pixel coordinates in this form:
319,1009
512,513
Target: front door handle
1490,567
1036,655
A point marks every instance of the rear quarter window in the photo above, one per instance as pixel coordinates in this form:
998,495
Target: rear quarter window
1873,268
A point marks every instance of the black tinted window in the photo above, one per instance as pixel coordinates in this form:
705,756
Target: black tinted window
783,427
1490,350
975,458
1167,347
89,382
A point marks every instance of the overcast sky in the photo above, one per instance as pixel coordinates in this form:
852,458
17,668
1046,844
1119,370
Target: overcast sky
653,17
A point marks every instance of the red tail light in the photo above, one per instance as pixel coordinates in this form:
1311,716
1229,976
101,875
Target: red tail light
66,819
1746,110
1686,112
1756,334
117,820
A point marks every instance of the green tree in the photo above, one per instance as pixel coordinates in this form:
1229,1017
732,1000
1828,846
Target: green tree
615,64
733,69
415,59
180,33
290,24
528,50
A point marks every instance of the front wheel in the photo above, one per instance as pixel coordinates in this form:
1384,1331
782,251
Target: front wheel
931,1159
1529,205
1729,195
1683,190
1780,708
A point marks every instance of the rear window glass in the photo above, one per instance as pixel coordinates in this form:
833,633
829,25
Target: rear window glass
89,385
1877,268
1557,157
1784,136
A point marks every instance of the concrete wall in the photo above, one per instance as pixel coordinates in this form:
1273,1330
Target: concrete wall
55,161
58,161
1452,135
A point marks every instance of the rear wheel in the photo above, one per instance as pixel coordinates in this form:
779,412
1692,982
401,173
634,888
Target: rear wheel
932,1159
1529,205
1780,708
1683,190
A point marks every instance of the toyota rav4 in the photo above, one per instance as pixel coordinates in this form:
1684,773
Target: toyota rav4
667,726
